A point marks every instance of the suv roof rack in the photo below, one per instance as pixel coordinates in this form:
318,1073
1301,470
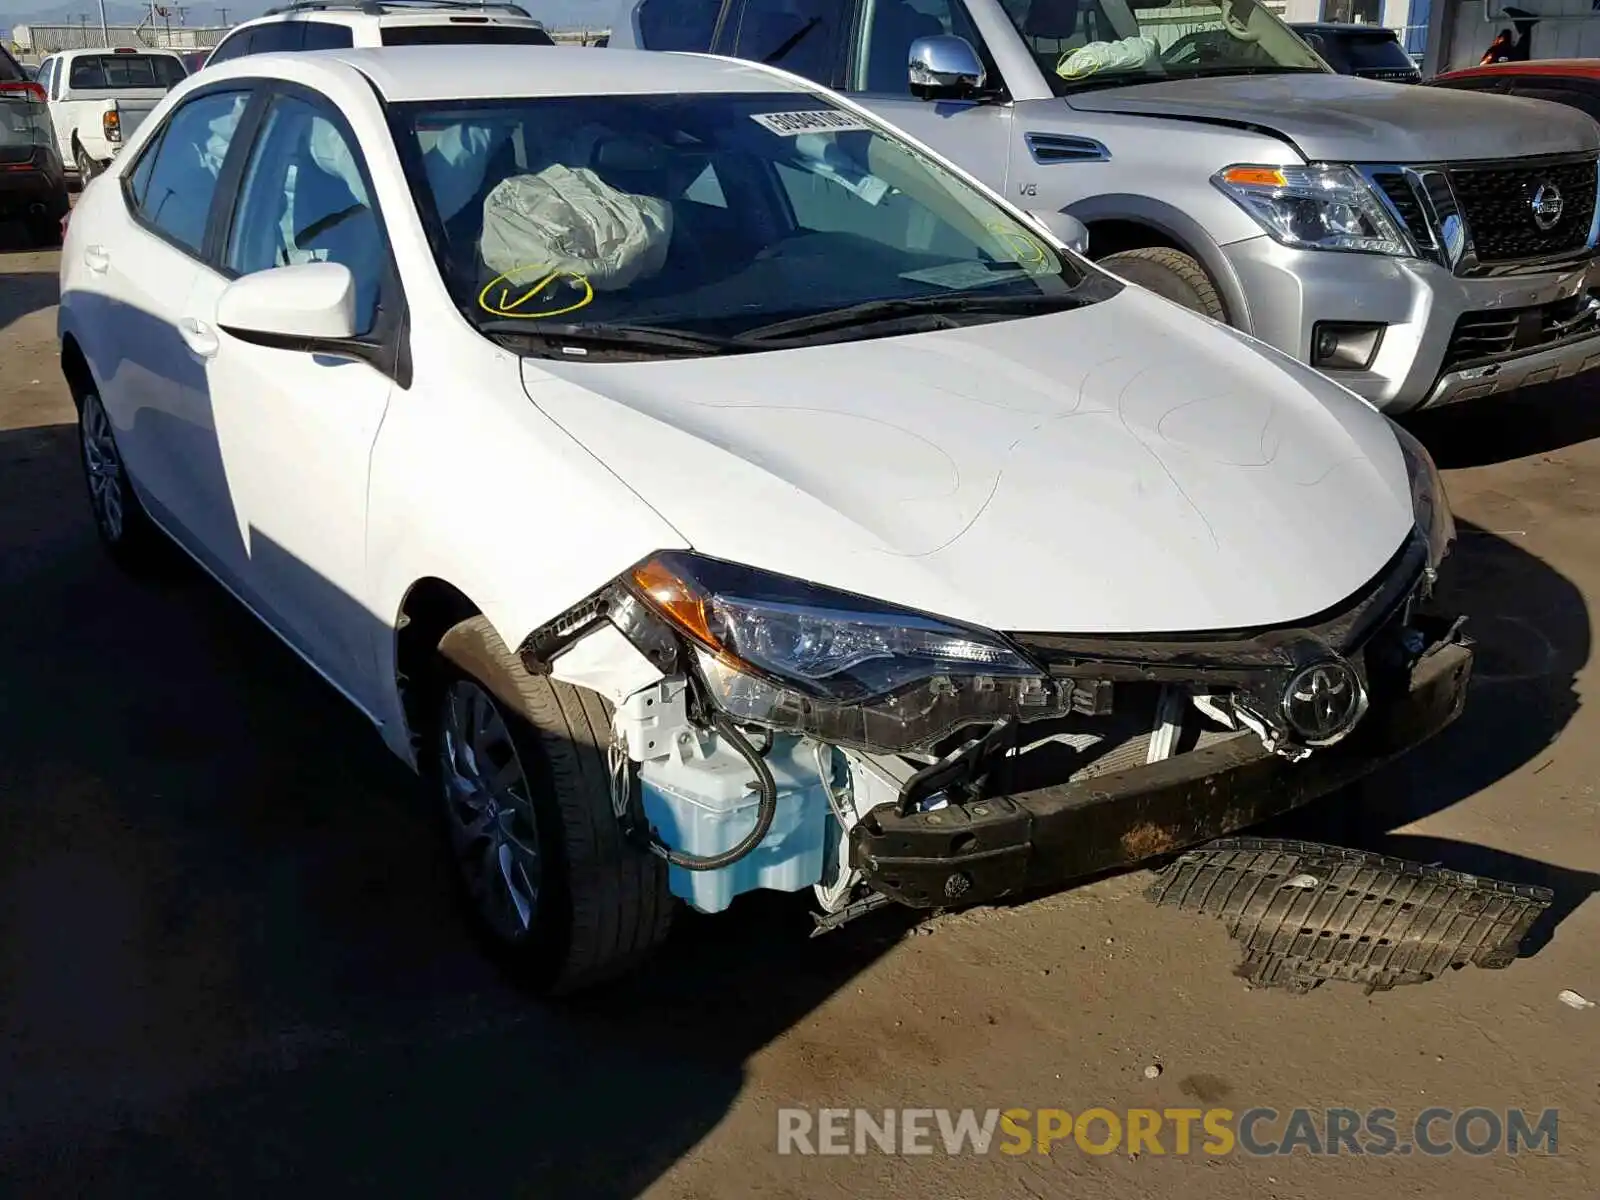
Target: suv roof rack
378,8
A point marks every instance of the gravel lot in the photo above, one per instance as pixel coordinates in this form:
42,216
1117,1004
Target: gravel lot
230,962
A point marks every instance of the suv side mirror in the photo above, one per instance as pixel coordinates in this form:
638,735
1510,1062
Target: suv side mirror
944,66
1066,229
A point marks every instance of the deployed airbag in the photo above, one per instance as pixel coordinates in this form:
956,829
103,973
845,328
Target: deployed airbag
572,221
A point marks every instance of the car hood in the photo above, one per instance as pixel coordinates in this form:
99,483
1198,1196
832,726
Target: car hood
1125,467
1340,118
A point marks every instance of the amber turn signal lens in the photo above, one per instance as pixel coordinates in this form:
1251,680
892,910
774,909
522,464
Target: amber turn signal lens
674,599
1254,176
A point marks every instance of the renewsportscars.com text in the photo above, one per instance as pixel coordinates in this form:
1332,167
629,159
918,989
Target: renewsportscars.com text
1257,1132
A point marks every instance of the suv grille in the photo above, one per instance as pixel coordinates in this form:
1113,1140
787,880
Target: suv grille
1502,331
1400,193
1497,203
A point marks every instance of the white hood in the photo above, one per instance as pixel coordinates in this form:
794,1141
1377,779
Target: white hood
1126,467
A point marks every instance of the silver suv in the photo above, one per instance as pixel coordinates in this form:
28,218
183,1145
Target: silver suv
342,24
1418,246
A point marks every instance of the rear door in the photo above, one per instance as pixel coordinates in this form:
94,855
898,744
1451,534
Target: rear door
142,263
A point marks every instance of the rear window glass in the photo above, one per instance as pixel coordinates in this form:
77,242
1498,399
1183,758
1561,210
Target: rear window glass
465,34
1363,52
10,72
125,71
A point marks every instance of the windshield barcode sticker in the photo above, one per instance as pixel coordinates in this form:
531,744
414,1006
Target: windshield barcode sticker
793,124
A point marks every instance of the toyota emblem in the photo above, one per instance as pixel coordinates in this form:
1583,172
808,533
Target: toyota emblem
1547,206
1324,701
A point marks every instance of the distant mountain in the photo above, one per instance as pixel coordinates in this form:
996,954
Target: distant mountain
557,14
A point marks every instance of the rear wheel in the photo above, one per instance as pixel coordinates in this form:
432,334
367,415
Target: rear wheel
523,772
1169,273
118,516
87,167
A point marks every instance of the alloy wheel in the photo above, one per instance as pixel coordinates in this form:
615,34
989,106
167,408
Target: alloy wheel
103,466
489,811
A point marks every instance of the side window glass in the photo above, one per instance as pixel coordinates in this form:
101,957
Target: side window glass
182,177
278,35
236,46
803,36
320,35
1584,102
138,185
888,27
677,24
304,199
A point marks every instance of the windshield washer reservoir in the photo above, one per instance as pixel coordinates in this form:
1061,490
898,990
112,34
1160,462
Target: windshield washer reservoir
707,805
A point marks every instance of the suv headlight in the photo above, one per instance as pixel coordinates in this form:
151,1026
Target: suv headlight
830,645
1428,500
1315,208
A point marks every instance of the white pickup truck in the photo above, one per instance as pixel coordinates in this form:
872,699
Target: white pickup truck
99,97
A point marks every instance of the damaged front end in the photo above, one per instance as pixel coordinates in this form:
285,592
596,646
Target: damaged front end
769,733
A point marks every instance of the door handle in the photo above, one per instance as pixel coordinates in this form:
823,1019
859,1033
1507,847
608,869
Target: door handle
96,258
198,336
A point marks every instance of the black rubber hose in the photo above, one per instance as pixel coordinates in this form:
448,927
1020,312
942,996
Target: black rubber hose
764,814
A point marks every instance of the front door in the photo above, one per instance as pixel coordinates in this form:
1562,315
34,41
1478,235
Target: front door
296,430
975,136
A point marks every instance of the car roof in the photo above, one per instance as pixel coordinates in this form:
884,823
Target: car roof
1582,68
115,50
478,72
380,12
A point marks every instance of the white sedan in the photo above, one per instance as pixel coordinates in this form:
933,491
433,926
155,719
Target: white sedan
707,489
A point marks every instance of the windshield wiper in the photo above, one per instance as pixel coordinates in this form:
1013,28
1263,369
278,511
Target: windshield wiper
570,340
877,311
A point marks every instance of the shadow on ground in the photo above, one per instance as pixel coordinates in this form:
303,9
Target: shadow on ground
1499,428
24,292
231,960
230,957
1532,633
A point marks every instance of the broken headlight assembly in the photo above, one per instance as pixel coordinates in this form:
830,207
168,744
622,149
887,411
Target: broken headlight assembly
796,657
1428,501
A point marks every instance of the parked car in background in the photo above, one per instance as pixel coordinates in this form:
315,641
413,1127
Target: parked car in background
33,185
1574,82
341,24
99,97
708,490
1366,51
1370,231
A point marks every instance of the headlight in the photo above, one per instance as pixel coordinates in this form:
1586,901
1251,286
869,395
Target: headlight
829,645
1428,500
1315,208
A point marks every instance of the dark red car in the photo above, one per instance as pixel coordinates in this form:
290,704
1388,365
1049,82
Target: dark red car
1574,82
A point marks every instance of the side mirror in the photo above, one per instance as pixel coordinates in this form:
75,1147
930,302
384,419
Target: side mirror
944,66
308,306
1066,229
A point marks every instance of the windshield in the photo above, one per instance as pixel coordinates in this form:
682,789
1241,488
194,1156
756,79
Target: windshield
705,214
1093,43
94,71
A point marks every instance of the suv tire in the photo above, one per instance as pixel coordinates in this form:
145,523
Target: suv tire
1171,274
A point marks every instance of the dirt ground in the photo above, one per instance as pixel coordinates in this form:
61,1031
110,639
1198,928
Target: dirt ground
230,962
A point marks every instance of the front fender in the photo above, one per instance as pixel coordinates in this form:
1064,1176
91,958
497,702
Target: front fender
470,483
1180,228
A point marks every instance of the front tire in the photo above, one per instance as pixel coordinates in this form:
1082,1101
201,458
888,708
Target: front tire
521,766
1169,273
120,519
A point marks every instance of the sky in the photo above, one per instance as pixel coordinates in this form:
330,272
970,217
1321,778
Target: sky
557,13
